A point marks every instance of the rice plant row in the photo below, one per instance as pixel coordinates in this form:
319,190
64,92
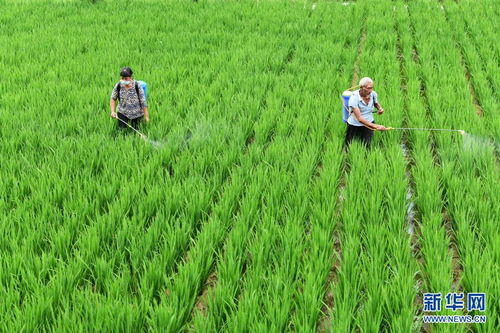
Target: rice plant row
433,243
460,163
232,222
479,74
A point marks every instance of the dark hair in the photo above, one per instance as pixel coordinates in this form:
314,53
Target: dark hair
126,72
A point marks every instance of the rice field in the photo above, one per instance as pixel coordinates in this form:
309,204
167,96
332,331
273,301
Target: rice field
249,215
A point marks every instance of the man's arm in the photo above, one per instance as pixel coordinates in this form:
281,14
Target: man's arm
379,108
366,123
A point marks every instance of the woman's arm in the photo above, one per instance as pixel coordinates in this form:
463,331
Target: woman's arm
112,100
112,105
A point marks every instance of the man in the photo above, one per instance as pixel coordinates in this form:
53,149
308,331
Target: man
360,123
133,106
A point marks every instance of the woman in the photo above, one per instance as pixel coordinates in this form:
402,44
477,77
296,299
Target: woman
133,106
360,123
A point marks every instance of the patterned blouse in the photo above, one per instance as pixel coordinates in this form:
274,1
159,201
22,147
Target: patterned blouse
129,101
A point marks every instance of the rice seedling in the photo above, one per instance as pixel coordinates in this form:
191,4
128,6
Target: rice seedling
243,211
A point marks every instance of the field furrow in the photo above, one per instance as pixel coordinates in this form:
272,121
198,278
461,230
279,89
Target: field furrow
237,205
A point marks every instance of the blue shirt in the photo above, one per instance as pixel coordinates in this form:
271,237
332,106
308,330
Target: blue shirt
366,109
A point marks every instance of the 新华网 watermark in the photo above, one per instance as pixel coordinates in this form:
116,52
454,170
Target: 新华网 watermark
433,302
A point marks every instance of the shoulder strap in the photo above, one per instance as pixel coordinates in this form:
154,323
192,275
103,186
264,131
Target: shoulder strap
118,91
137,91
349,108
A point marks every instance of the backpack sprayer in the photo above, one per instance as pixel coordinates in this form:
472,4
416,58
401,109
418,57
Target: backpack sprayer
346,95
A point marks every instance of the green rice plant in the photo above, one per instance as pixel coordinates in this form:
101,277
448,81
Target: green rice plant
243,96
318,260
391,211
478,77
318,257
449,155
436,266
483,34
221,299
188,281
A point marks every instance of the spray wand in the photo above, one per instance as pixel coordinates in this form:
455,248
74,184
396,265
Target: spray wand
156,144
347,93
462,132
142,135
